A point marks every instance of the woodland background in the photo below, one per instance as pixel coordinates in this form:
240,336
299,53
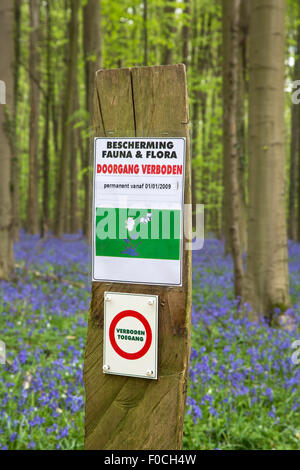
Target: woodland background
58,46
55,47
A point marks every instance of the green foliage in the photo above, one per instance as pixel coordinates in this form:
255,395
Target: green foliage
123,42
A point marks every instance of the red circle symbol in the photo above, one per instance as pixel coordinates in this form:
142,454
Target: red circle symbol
138,316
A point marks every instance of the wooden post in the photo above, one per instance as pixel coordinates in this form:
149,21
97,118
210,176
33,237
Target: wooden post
125,412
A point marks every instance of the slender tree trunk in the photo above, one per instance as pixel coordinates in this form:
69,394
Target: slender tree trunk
203,149
240,109
203,63
231,11
92,48
194,151
295,149
145,31
33,218
61,205
199,63
74,219
195,111
55,124
213,173
67,205
46,162
240,119
266,281
185,33
15,160
67,58
6,116
169,31
226,21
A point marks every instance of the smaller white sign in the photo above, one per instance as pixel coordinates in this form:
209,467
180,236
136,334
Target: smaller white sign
130,335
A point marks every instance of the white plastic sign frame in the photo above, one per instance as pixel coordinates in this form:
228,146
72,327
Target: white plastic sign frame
130,338
146,180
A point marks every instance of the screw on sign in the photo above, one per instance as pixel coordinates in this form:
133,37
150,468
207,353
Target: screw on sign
130,335
141,352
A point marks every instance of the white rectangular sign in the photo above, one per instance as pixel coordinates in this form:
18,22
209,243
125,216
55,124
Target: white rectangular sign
130,334
138,210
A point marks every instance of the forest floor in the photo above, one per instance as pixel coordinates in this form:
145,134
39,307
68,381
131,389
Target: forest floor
243,388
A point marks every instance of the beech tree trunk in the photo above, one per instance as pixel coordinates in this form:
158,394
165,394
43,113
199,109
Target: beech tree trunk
231,12
15,150
74,218
46,161
239,123
194,111
295,150
266,285
91,47
6,115
92,55
200,60
145,31
169,31
61,206
241,119
33,217
185,33
194,151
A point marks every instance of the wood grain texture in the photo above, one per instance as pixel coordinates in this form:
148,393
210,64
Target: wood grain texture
125,412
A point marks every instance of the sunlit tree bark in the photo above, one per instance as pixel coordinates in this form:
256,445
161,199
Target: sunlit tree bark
61,203
295,150
168,22
239,122
33,216
266,280
185,33
6,113
231,15
92,55
46,138
15,150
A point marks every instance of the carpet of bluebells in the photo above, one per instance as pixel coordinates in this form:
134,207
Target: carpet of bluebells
243,388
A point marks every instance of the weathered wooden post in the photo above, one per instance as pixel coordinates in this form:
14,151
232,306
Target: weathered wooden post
127,412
